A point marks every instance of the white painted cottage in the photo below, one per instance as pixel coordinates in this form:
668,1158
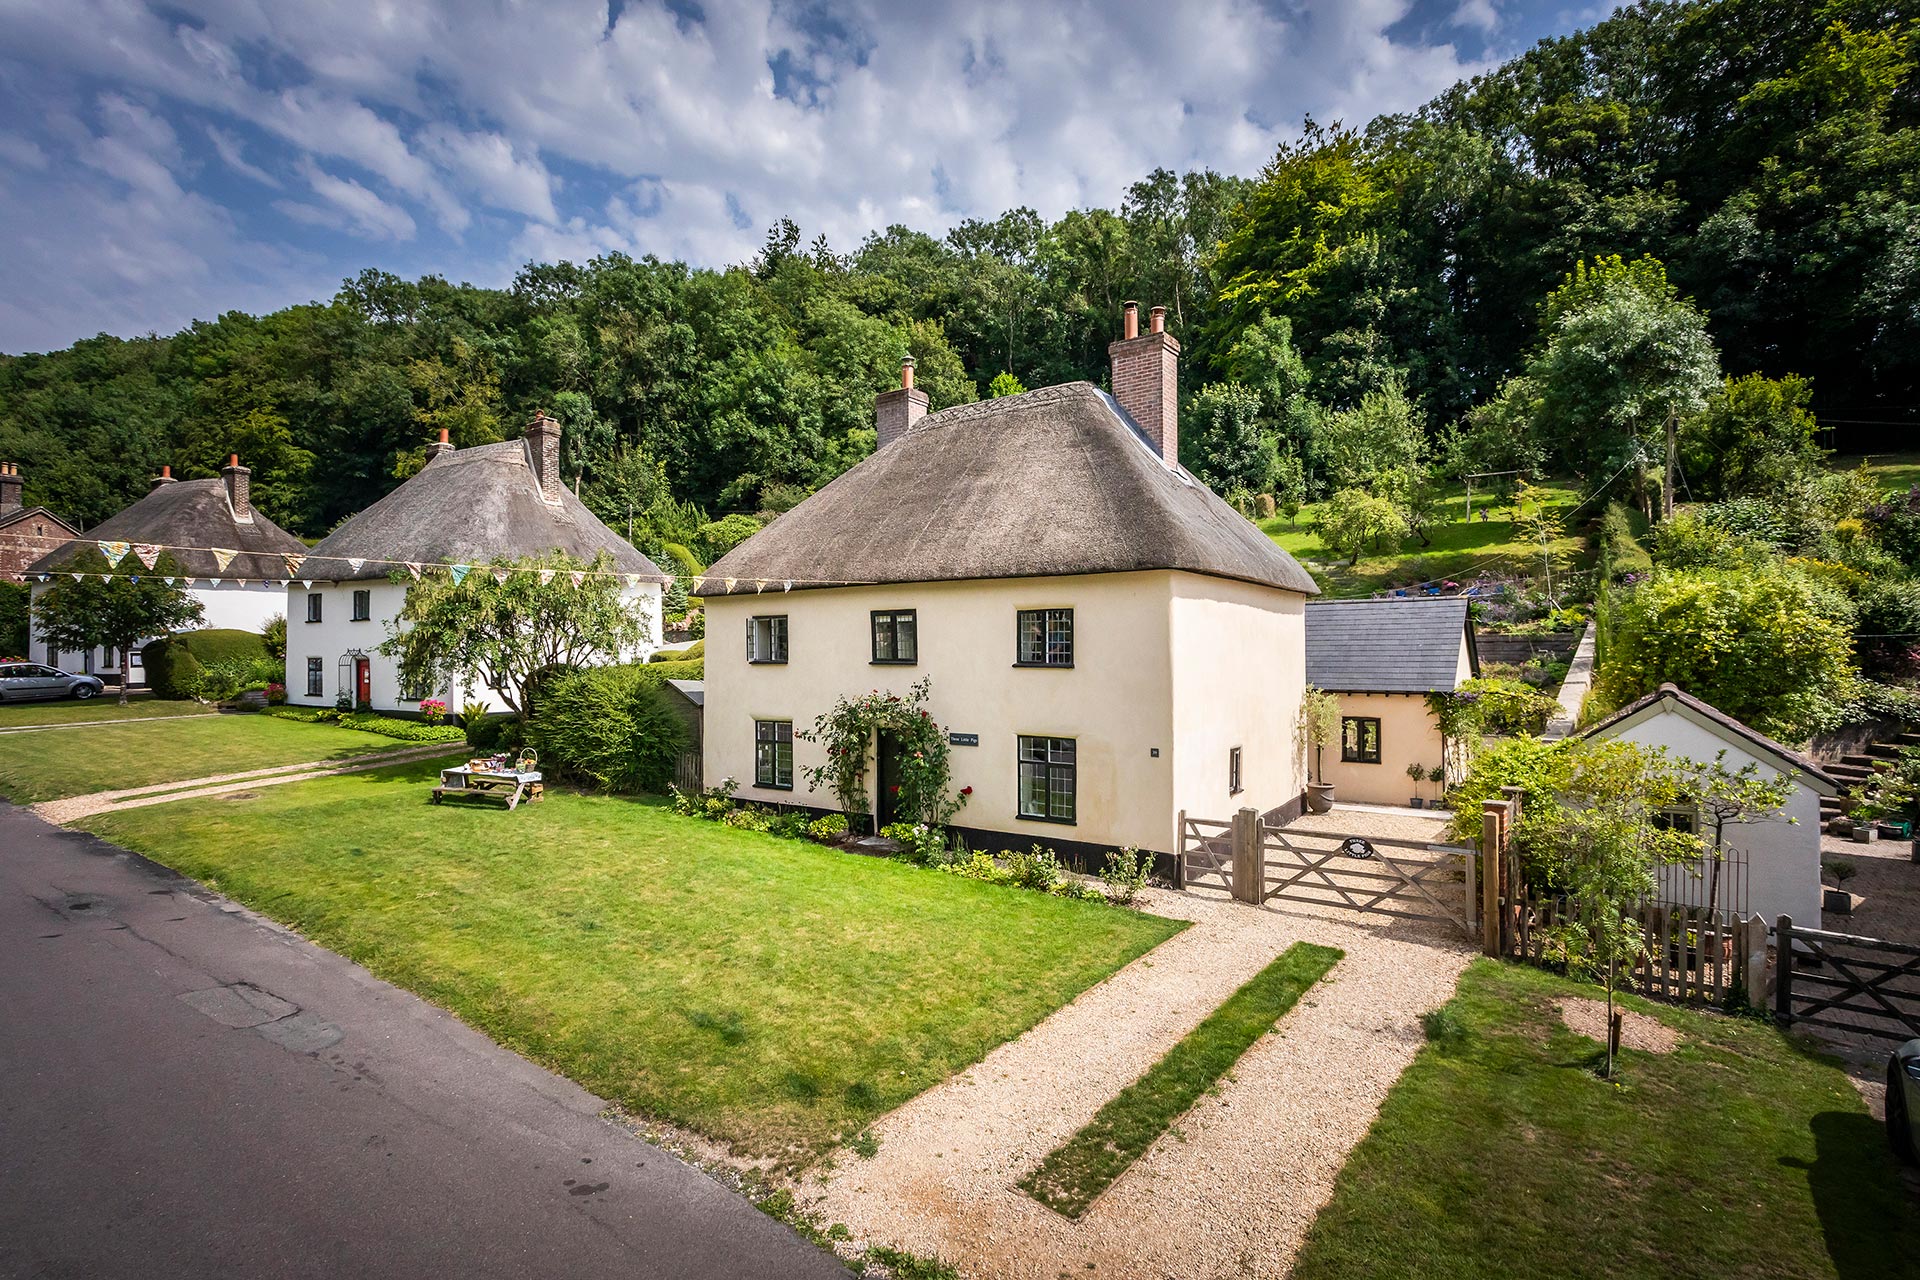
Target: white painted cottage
1782,855
1108,642
466,507
232,557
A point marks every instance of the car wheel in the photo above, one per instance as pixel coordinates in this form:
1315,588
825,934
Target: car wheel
84,691
1899,1129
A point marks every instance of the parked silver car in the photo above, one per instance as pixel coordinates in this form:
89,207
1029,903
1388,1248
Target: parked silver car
1903,1101
20,681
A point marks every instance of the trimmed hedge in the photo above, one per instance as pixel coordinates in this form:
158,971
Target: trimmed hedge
369,722
658,673
176,665
695,652
609,726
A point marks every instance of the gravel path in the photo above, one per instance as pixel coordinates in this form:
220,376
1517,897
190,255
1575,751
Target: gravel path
1231,1190
62,812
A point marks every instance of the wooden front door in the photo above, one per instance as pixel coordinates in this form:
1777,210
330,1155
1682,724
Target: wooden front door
887,810
362,682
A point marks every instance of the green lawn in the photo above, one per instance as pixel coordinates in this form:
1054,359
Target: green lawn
73,762
104,707
1897,471
1072,1177
767,992
1500,1153
1459,546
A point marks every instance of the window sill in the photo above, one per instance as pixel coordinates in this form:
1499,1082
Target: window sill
894,662
1234,791
1058,822
1344,760
766,662
1046,666
773,786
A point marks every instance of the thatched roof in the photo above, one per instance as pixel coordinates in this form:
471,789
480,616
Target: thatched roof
190,513
1056,481
469,506
1388,646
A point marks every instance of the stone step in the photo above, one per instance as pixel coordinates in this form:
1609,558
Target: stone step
1860,760
1884,751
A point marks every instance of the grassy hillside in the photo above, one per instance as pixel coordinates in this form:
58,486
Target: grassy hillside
1459,547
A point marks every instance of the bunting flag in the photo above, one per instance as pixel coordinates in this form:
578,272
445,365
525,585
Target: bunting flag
459,572
115,552
414,569
500,576
730,582
293,563
307,583
546,577
788,587
213,581
758,587
78,576
222,557
578,578
147,552
633,580
169,581
354,565
191,581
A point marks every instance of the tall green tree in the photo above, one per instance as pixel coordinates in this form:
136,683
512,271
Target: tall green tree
115,612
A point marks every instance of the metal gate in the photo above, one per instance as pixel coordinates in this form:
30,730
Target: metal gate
1258,863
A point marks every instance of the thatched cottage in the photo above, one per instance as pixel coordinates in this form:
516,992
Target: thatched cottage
465,507
1107,641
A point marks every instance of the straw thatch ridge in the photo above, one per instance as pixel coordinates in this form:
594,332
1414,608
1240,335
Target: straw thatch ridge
192,514
1053,482
470,506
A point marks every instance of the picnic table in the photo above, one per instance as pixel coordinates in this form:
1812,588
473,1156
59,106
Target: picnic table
512,781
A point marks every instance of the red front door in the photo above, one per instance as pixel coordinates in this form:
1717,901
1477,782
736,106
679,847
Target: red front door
362,681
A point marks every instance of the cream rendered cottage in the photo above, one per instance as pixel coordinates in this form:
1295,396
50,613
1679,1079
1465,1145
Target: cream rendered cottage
1108,643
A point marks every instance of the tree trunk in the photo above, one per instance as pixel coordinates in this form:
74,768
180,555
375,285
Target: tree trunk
1613,1039
126,669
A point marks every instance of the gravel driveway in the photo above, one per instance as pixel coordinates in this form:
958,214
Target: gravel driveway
1231,1190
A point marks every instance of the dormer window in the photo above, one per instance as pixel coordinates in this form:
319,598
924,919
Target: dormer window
767,638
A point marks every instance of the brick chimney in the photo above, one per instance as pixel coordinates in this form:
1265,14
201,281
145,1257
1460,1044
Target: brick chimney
1146,378
440,446
543,444
10,483
895,411
239,493
165,477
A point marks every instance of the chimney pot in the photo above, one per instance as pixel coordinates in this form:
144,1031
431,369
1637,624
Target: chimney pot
239,492
165,477
543,442
440,446
1158,319
906,374
1146,380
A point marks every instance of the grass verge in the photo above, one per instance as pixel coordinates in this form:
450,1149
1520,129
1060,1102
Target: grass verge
1500,1154
1074,1175
110,757
769,993
19,715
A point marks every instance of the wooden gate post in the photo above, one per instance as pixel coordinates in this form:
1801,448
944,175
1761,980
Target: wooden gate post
1493,855
1783,969
1249,870
1753,947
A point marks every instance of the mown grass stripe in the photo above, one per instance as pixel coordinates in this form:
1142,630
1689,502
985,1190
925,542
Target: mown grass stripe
1075,1174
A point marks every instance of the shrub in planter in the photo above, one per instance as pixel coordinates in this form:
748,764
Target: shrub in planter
608,726
828,830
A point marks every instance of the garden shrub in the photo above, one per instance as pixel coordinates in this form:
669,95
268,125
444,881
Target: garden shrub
918,842
1887,626
684,564
1039,869
746,818
713,804
401,730
829,829
1688,541
981,867
274,638
1537,768
1125,874
723,535
694,652
1493,704
1621,549
790,824
609,726
177,665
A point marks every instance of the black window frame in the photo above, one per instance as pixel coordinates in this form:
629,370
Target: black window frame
1357,754
778,642
768,739
316,677
1047,620
314,607
1233,771
362,610
893,619
1053,770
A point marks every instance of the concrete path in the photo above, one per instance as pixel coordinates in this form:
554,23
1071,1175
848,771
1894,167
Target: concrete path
191,1091
74,808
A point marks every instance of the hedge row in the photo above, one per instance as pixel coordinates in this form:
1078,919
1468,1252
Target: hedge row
611,727
176,665
369,722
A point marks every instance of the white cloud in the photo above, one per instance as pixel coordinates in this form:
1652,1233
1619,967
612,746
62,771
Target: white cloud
398,116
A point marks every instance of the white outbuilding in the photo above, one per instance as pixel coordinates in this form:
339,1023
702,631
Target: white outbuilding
466,507
1781,855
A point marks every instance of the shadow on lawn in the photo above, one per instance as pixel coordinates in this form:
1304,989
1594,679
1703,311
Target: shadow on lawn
1857,1194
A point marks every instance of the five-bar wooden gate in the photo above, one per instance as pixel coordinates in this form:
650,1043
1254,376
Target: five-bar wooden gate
1868,986
1258,863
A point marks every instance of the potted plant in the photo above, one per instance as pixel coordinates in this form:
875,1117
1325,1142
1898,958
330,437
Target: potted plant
1319,725
1418,773
1838,900
1438,777
1893,792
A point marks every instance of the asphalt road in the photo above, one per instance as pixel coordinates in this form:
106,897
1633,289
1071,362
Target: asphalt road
187,1090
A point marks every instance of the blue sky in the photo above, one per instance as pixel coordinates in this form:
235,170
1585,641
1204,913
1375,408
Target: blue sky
162,162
